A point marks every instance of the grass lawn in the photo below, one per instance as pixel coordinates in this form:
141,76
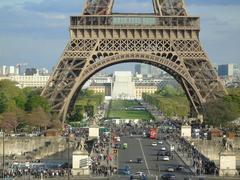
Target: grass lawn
123,109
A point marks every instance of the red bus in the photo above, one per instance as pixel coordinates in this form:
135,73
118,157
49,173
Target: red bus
153,133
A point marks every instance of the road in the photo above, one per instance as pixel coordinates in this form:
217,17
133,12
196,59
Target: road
139,147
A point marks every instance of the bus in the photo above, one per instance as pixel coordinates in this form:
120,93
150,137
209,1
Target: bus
153,133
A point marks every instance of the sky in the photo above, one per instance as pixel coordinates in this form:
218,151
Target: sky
36,31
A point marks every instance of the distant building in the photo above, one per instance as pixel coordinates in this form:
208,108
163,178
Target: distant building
28,81
123,85
30,71
3,70
43,71
147,70
225,70
141,88
236,71
103,88
10,70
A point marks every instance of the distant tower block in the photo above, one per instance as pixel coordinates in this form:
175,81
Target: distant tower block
167,39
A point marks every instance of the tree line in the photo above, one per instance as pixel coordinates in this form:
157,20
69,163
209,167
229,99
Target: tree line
24,110
224,110
169,100
173,101
86,105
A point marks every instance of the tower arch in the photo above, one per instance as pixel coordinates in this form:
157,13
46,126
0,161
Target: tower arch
168,39
163,62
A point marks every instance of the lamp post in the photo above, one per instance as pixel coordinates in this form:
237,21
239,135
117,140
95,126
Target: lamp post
3,157
68,158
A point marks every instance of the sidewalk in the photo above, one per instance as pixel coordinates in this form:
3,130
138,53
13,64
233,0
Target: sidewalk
183,156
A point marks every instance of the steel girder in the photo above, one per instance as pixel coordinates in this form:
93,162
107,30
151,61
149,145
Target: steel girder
98,7
170,7
161,7
83,58
168,42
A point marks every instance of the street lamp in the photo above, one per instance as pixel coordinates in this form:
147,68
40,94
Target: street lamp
68,157
3,156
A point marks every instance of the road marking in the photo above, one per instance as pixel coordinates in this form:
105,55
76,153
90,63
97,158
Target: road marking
144,157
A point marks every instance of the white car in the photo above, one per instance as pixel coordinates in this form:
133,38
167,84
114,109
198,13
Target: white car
154,144
163,148
160,142
165,158
170,169
172,148
139,173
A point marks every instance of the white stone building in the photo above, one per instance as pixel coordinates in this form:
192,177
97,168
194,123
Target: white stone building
28,81
123,86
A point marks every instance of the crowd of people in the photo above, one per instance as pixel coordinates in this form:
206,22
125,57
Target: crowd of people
102,161
200,163
36,172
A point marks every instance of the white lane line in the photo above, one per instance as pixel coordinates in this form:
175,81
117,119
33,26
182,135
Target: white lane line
144,157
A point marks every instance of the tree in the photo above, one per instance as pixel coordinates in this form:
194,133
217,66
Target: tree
3,104
8,121
77,114
12,96
36,101
55,122
89,109
38,118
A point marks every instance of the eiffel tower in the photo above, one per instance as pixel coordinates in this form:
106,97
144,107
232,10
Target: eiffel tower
167,39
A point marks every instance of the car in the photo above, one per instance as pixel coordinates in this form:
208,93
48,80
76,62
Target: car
154,144
165,158
160,142
118,146
139,160
163,148
170,169
124,172
168,176
179,167
138,176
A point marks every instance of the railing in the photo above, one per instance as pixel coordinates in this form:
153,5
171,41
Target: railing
135,20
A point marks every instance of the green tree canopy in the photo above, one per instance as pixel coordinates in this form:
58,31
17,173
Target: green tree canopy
11,96
224,110
36,101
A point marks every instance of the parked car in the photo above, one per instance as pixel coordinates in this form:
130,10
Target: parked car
168,176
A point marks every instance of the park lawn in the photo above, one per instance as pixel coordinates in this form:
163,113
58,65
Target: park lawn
118,109
122,104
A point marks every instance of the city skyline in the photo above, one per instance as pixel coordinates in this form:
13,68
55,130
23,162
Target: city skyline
39,29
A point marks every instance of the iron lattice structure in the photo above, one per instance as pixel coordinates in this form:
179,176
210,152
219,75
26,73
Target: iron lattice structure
168,39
